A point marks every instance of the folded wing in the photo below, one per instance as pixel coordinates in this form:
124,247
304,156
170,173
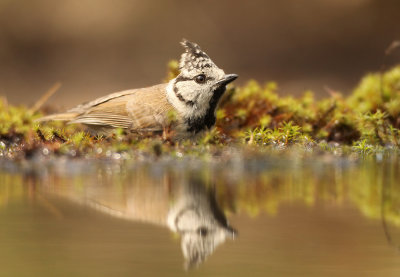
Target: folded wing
138,110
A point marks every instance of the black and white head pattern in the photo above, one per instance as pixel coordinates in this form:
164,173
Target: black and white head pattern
192,90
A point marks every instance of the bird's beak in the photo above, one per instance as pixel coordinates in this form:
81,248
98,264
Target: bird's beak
230,232
227,79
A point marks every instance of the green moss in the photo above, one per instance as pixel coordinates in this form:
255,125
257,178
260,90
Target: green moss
377,92
368,120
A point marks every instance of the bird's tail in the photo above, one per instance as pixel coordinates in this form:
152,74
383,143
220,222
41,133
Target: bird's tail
67,116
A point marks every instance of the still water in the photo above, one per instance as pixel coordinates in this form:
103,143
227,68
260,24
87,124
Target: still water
245,217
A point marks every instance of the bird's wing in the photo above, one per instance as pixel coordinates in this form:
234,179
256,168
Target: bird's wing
82,108
141,109
79,111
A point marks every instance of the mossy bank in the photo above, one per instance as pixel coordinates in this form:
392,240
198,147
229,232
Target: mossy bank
253,118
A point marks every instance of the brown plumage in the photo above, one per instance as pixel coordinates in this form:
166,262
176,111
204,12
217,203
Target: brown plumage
144,109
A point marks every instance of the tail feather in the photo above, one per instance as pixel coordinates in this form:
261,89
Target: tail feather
58,116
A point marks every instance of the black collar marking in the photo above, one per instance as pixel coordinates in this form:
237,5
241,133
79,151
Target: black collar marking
198,124
182,99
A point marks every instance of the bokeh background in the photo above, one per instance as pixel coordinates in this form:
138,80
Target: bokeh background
95,47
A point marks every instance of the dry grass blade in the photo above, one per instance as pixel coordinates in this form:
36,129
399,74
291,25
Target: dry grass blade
393,46
43,99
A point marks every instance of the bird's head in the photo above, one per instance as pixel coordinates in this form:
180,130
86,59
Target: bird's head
200,83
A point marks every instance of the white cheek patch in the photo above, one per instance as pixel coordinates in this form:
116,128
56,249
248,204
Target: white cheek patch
200,99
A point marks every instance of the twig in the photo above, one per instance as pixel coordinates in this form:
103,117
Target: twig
393,46
45,97
49,207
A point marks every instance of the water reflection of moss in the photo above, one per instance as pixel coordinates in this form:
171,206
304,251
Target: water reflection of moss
361,186
368,185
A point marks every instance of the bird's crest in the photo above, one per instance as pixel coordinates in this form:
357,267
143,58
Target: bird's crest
194,58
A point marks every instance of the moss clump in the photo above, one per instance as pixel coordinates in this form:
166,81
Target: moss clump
370,113
368,119
284,136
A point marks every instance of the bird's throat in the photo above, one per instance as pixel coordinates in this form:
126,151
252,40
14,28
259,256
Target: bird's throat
207,120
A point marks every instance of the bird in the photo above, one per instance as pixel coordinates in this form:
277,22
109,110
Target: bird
191,98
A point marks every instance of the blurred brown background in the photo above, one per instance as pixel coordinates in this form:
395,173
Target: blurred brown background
94,47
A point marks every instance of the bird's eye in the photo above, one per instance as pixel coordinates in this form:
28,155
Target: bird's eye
200,79
202,231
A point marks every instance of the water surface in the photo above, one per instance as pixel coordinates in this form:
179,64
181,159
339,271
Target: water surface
266,216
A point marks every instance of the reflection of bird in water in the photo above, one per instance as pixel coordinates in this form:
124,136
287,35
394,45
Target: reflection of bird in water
200,222
188,208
